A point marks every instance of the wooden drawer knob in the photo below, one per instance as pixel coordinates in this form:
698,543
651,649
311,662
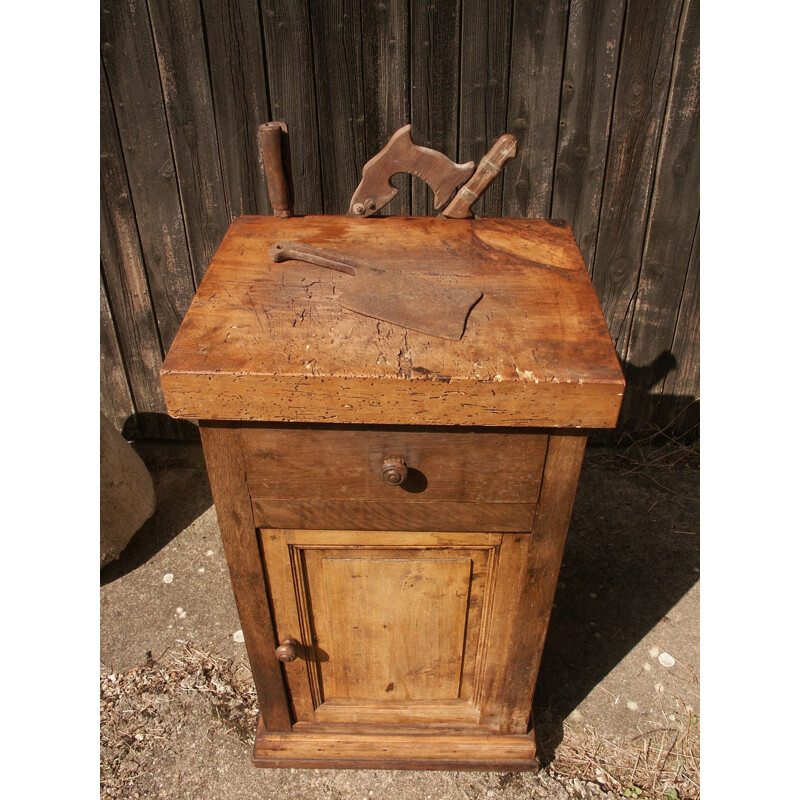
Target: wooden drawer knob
393,471
288,650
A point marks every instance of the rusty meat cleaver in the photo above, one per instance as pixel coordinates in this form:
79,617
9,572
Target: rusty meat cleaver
412,302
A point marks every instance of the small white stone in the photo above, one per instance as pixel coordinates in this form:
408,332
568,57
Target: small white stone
209,552
168,578
201,570
646,667
238,636
632,705
666,660
659,687
653,651
138,737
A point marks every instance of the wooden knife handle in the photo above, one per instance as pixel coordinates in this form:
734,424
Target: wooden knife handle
489,168
280,196
283,251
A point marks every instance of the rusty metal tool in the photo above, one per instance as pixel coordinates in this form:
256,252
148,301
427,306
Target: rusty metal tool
402,155
491,165
412,302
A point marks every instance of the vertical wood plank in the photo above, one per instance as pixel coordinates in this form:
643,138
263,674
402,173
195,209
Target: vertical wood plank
293,96
336,42
115,397
675,205
537,59
135,88
126,280
532,614
387,106
223,454
587,94
682,386
644,74
485,62
238,83
435,46
181,52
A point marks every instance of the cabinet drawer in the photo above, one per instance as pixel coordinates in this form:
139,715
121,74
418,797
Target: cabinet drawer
326,477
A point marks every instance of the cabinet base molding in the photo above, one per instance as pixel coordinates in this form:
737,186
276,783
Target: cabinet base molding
424,750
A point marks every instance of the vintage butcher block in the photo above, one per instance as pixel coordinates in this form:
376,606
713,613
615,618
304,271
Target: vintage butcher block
394,504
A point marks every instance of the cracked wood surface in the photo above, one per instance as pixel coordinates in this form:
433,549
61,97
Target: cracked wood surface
269,341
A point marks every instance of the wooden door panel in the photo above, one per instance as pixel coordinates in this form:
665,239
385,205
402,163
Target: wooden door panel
395,626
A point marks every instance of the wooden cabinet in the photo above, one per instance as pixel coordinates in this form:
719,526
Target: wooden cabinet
393,506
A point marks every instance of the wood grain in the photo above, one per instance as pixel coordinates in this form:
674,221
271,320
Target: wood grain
483,88
130,62
236,65
387,107
462,750
435,45
269,341
587,94
368,515
126,285
644,73
115,396
293,96
336,43
454,465
394,625
540,567
675,204
226,474
537,56
181,52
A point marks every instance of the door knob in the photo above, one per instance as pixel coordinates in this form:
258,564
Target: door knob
393,470
288,650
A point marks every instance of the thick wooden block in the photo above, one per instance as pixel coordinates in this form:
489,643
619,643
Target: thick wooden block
267,341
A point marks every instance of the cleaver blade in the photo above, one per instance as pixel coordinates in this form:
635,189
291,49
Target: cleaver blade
405,300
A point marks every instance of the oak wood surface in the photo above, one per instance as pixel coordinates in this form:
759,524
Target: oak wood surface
228,487
267,341
395,625
451,465
418,750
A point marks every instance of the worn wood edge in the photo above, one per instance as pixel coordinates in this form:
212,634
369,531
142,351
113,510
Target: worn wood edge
366,515
550,527
370,750
225,465
269,398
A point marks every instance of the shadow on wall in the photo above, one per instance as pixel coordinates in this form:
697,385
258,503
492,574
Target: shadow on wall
644,411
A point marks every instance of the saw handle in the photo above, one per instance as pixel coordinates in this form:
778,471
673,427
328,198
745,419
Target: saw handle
402,155
491,164
284,251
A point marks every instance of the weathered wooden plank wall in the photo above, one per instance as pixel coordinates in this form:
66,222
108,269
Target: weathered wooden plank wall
602,95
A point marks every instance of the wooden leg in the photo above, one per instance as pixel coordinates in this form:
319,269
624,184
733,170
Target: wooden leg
225,464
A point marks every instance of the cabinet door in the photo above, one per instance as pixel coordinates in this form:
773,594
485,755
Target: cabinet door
395,627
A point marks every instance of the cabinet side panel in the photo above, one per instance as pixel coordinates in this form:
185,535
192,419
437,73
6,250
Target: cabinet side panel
541,568
229,488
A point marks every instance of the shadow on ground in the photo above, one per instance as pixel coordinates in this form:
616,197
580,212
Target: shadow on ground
632,553
182,495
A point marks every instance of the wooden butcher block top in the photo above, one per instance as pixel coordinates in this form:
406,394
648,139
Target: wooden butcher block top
268,341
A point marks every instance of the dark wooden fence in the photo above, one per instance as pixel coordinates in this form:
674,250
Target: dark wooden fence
602,96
